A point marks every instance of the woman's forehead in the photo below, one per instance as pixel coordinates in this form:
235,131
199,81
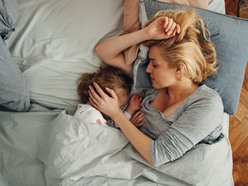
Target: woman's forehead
154,51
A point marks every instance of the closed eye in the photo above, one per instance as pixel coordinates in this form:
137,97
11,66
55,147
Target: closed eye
154,64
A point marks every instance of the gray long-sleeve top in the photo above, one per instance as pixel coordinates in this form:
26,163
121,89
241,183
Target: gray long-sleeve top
197,119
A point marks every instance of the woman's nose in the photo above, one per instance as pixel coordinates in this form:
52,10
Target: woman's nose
148,68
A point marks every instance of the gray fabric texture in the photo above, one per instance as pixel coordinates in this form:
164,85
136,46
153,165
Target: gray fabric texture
43,147
9,13
14,93
230,36
197,119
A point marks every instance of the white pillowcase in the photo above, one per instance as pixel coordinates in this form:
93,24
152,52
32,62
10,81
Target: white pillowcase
55,41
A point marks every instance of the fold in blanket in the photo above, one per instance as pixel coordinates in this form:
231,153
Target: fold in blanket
8,14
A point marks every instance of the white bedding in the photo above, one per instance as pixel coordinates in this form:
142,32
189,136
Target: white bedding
58,149
55,41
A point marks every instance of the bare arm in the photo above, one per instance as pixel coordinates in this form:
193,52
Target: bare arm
110,106
111,50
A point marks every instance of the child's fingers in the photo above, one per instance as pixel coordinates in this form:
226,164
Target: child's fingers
140,124
139,116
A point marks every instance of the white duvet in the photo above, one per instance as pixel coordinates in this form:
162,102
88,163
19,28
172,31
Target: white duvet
77,151
52,148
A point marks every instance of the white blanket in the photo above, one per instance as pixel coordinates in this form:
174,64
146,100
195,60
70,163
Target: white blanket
79,150
53,148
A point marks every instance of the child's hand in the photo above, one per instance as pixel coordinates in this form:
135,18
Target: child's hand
138,119
134,104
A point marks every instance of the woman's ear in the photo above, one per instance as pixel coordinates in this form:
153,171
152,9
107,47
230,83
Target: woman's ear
179,72
178,69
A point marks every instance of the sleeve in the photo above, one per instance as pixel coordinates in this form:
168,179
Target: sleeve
196,122
127,115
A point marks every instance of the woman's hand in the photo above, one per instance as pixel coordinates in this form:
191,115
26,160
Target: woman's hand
162,28
134,104
138,119
104,103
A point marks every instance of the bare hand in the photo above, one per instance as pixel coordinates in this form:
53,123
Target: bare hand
134,104
104,103
162,28
138,119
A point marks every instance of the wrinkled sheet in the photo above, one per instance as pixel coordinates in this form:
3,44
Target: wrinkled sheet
54,41
52,148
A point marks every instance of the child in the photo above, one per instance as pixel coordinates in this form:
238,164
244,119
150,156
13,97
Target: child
121,84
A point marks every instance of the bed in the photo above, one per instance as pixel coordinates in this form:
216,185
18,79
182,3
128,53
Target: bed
41,142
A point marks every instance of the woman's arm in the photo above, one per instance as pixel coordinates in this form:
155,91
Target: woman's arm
109,106
111,50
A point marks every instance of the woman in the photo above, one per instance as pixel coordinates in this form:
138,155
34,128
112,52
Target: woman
179,112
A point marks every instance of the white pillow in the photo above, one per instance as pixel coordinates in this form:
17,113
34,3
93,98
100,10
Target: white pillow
56,41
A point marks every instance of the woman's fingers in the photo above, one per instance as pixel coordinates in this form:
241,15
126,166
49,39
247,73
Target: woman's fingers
171,27
99,90
92,98
169,24
93,103
178,29
166,22
93,95
112,93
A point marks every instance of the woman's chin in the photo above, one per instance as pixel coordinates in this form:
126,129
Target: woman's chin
154,85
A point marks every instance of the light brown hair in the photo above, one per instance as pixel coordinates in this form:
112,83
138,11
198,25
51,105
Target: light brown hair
104,77
191,49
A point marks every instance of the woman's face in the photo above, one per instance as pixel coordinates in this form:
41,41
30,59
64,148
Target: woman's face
161,74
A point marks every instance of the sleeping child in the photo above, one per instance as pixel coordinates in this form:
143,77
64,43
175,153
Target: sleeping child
121,84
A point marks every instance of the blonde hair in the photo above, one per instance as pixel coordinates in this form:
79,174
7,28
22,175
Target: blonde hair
191,49
104,77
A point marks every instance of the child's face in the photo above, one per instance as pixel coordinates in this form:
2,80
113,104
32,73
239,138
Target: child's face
122,96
